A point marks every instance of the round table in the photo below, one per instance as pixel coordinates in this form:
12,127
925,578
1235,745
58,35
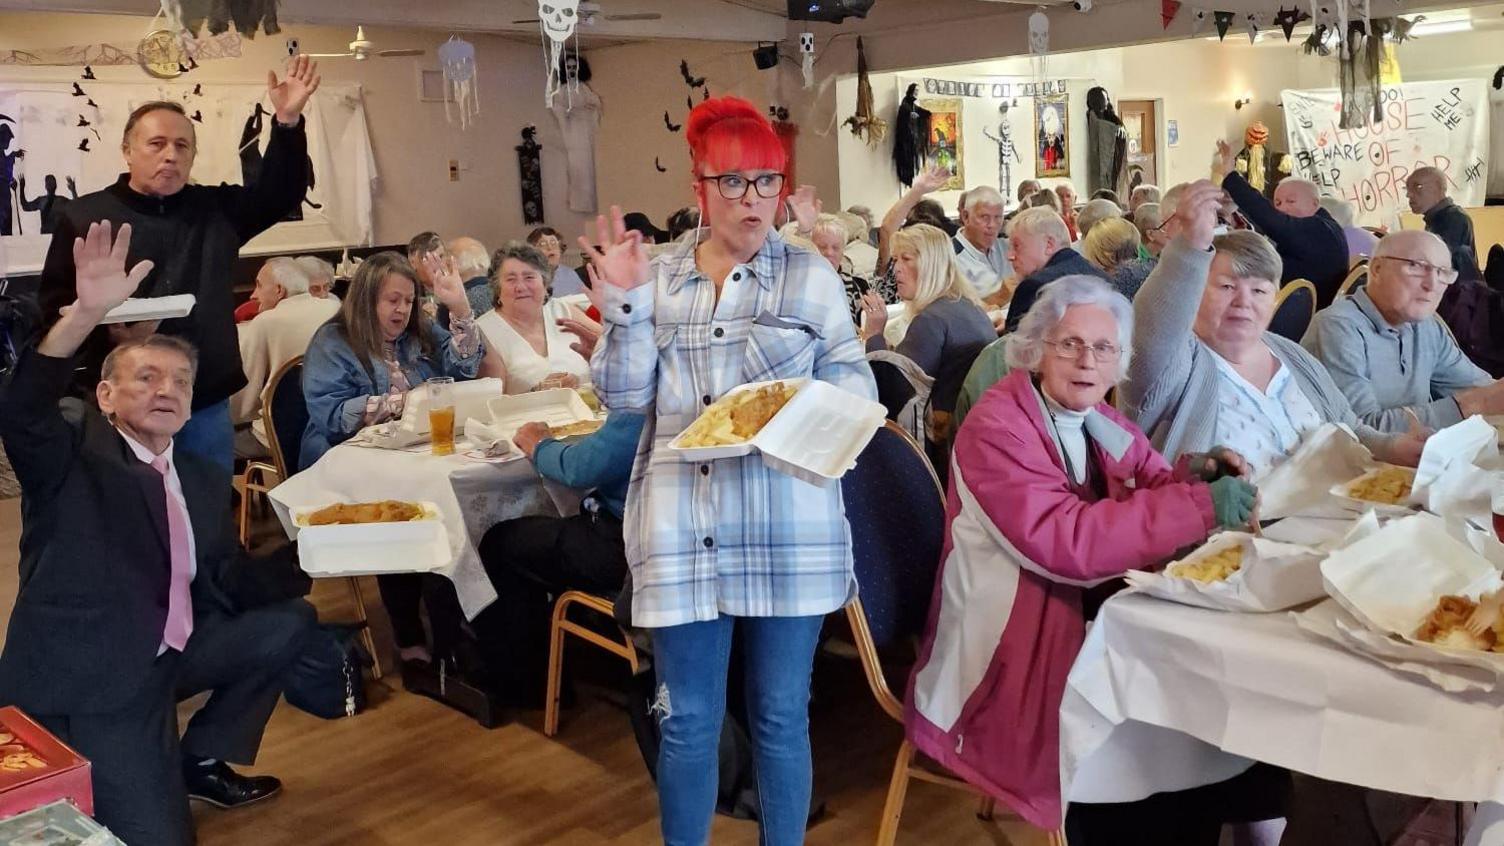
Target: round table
472,496
1165,697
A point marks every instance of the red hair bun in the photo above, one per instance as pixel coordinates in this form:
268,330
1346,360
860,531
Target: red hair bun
729,134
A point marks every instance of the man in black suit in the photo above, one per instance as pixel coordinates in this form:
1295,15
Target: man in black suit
133,592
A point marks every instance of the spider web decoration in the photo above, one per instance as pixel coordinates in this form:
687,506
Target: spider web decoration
461,82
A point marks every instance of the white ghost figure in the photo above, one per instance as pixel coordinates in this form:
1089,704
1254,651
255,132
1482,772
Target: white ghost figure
461,83
1039,44
558,18
1083,6
807,67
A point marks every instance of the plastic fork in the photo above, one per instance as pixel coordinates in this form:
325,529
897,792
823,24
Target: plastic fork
1483,617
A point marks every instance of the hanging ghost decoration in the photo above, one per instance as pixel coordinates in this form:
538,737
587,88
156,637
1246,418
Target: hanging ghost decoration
557,20
1039,44
807,65
461,82
1198,22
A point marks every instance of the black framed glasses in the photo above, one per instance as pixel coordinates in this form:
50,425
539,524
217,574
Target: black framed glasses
1072,348
733,186
1416,268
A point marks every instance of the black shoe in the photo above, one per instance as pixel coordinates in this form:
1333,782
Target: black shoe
222,787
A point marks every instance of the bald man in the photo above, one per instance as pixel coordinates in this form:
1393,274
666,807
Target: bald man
1390,354
1426,188
473,262
1310,243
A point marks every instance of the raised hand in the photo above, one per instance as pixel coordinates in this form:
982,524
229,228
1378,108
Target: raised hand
805,207
586,330
874,314
291,94
623,259
933,179
1197,212
1222,162
447,285
100,276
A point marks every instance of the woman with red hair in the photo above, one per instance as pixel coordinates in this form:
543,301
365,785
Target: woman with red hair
728,543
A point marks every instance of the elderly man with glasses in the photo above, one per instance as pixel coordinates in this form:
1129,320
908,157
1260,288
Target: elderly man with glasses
1389,353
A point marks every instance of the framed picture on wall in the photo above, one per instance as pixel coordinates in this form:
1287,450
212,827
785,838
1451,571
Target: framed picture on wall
1052,139
945,140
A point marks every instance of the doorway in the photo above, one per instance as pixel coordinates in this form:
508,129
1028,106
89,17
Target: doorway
1141,122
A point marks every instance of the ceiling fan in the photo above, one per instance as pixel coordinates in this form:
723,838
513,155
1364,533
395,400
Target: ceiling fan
363,48
590,14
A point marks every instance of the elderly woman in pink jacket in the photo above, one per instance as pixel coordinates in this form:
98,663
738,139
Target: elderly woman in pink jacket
1052,492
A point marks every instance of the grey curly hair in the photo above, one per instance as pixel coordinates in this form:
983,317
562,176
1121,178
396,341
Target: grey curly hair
1025,346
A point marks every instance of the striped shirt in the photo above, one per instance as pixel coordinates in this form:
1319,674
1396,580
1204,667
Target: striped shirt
728,536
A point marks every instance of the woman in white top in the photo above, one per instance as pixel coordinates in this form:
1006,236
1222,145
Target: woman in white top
525,347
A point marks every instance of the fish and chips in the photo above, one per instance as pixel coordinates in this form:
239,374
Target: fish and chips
1446,626
357,513
737,418
1387,486
574,430
16,756
1216,567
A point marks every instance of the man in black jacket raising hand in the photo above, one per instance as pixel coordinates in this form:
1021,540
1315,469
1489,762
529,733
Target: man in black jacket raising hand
192,235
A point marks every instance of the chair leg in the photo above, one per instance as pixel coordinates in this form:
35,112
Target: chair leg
365,633
898,789
244,513
555,670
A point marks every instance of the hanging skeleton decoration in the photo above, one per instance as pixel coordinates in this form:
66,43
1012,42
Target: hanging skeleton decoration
247,15
807,65
1007,154
865,121
461,82
556,20
1039,44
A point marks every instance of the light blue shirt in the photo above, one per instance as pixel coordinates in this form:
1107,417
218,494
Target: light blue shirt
1262,426
985,271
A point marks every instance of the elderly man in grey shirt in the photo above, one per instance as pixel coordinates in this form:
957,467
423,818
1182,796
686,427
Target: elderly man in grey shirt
1388,352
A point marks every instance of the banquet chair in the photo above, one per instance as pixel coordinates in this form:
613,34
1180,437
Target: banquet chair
897,513
284,414
1294,307
560,626
1356,278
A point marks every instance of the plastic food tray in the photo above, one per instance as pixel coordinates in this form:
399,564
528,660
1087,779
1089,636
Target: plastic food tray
369,549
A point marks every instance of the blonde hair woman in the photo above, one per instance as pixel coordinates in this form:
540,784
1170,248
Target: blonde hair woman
947,326
1113,247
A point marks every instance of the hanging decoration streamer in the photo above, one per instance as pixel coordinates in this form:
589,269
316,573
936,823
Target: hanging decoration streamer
556,20
461,82
807,65
865,123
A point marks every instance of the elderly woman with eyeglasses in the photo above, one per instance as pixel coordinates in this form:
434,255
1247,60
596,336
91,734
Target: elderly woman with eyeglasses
1052,492
1206,370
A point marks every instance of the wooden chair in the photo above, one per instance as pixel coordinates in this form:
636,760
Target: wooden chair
1356,278
1294,308
897,513
561,626
284,414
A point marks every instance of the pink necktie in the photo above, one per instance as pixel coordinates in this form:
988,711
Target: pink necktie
179,598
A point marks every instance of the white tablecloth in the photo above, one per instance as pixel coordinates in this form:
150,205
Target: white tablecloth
472,496
1166,696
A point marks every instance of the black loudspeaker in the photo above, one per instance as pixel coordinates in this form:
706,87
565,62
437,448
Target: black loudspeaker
766,56
830,11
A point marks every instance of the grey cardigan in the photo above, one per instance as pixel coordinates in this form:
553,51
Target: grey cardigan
1172,385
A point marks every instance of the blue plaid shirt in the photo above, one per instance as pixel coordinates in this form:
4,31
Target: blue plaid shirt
729,536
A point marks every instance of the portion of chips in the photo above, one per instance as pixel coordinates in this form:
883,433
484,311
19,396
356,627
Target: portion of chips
356,513
16,756
1213,568
1446,626
736,418
1388,486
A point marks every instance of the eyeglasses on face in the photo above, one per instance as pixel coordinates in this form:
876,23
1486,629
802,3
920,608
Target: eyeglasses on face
1073,347
733,186
1416,269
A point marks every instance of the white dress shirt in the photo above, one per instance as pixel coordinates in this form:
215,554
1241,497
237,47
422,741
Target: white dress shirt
1262,426
176,500
985,271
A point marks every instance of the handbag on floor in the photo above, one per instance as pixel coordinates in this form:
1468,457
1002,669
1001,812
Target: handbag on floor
328,679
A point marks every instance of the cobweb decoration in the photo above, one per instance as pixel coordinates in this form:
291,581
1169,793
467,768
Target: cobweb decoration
461,82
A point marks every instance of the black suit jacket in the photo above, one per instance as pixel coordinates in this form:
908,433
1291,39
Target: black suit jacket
95,563
1312,248
1451,224
1065,262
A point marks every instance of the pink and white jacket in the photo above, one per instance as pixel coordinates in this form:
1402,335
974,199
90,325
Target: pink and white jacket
1022,543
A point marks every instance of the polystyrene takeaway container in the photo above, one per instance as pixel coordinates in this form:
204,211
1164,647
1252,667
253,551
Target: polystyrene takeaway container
555,406
815,437
371,549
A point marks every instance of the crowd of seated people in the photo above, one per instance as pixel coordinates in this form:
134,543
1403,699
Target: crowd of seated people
1099,389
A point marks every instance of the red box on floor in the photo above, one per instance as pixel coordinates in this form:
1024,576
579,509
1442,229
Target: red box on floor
37,768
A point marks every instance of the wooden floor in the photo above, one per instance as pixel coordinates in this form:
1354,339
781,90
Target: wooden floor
410,771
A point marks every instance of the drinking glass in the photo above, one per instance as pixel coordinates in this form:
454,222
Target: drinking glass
441,414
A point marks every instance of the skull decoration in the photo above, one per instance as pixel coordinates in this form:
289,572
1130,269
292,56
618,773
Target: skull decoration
1039,34
558,18
806,42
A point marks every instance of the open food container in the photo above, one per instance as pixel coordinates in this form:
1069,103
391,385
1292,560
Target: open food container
36,768
370,549
1270,576
816,436
558,407
136,309
1359,493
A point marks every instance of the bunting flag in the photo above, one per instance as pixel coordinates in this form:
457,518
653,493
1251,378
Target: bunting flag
1224,20
1168,9
1253,28
1198,22
1286,19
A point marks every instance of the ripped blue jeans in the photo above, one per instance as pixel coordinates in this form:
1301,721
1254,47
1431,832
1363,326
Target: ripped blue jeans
691,662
